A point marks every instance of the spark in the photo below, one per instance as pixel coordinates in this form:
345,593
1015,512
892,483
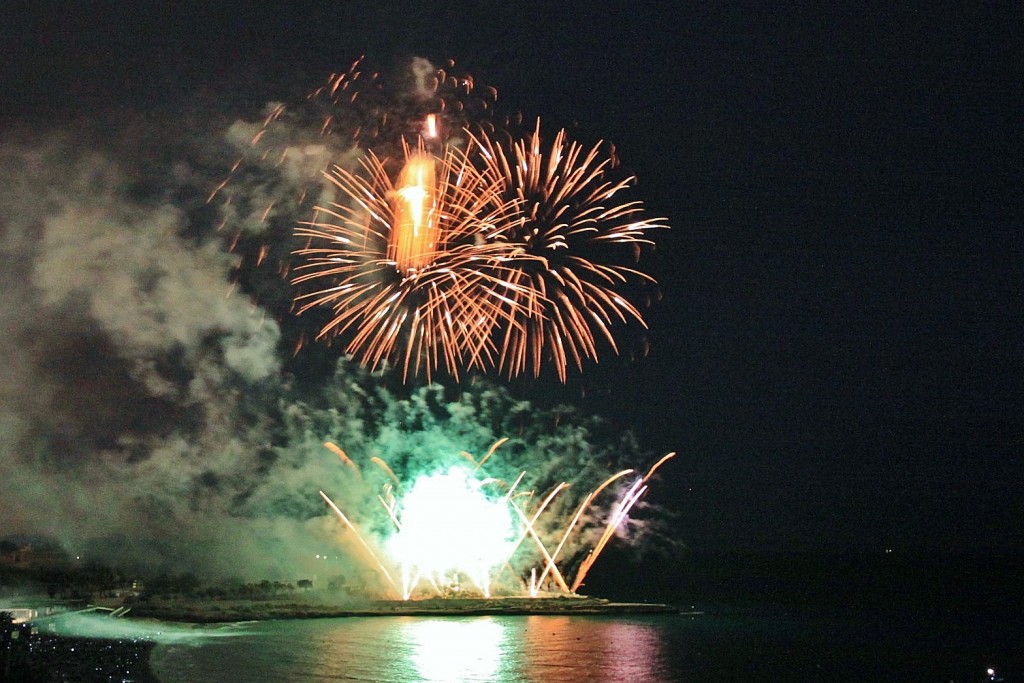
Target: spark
362,542
387,470
430,130
403,273
483,258
576,518
473,249
342,456
565,231
450,525
529,528
631,498
446,525
633,495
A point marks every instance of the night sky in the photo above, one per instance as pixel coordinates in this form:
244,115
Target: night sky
836,352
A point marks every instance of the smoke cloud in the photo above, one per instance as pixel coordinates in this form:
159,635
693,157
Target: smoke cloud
150,410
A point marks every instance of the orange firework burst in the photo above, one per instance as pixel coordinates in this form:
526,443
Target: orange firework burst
567,231
492,253
403,266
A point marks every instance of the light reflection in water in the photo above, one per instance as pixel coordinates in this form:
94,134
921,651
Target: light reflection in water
499,649
449,650
592,649
533,648
643,644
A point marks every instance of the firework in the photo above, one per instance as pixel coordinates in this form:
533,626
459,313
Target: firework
450,243
401,265
278,176
479,258
457,526
569,227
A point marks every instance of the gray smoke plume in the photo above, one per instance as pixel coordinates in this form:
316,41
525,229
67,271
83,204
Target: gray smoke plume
126,350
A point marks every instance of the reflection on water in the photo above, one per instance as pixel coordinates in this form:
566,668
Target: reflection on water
750,646
496,648
450,650
592,649
644,644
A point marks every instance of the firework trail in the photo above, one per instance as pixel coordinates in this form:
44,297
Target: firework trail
454,522
471,248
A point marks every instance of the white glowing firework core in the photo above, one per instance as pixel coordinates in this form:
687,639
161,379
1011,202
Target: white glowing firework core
448,524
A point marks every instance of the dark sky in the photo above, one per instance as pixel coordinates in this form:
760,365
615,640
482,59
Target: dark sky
837,351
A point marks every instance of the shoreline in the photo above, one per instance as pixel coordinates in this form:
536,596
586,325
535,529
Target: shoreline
127,657
256,610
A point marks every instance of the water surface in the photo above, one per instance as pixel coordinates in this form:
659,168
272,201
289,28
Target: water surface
495,648
762,644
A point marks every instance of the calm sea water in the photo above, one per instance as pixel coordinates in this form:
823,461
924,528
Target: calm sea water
743,645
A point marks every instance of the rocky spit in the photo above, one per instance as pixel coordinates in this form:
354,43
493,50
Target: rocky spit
200,612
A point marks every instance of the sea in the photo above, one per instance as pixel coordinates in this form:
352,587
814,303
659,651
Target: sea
742,618
743,645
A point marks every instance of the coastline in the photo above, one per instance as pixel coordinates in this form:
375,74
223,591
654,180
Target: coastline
206,612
